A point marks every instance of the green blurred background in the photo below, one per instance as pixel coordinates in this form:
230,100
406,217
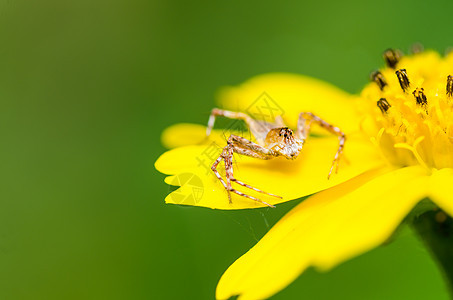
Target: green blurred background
86,87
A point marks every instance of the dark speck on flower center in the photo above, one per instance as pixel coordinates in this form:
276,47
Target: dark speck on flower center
412,113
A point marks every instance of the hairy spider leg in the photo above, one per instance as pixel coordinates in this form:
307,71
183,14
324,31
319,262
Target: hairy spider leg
303,129
240,145
227,114
259,129
243,146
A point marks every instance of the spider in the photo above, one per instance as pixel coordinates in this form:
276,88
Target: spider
272,140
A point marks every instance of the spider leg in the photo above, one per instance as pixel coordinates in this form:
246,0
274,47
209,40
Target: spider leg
245,147
303,129
217,174
227,114
258,129
254,188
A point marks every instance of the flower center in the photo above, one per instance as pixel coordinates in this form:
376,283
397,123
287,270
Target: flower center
409,109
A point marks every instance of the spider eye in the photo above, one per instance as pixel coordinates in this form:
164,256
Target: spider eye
286,135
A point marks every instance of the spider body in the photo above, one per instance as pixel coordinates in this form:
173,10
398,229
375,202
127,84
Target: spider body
282,142
272,140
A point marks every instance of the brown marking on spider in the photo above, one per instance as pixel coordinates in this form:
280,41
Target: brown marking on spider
272,140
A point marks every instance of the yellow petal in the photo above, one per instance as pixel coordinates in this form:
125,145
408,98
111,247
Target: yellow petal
325,230
183,134
290,179
440,189
285,94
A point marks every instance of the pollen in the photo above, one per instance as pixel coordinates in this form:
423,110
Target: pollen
409,109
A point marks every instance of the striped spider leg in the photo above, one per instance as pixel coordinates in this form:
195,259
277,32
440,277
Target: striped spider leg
303,130
272,140
240,145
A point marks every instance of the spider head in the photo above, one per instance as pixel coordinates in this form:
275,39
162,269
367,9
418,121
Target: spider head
283,143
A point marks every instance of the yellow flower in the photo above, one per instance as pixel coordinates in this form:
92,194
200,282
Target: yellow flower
399,150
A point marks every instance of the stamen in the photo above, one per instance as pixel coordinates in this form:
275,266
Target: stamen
420,96
403,79
422,108
417,48
392,57
449,85
448,51
383,105
377,77
414,151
